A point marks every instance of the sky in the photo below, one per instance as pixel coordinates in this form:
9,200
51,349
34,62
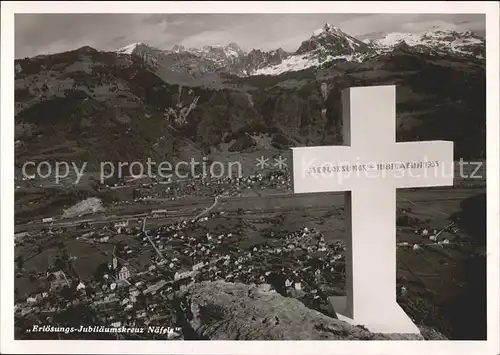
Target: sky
52,33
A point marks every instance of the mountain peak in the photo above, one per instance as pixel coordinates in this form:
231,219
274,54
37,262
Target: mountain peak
234,46
86,49
178,48
331,40
327,28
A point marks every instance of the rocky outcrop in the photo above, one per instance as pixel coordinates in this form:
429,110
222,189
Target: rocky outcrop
232,311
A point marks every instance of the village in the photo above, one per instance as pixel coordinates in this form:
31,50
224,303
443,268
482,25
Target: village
142,268
123,268
144,189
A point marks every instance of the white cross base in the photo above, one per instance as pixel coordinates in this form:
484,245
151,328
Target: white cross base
391,319
369,168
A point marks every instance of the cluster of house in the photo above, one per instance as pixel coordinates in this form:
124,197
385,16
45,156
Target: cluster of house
213,186
306,260
121,298
107,232
305,263
18,237
25,238
230,185
308,266
431,237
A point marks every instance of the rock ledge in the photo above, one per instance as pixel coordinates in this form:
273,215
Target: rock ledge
233,311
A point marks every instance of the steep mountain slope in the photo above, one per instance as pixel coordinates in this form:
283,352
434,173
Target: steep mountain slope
194,67
86,105
256,60
222,56
437,98
92,106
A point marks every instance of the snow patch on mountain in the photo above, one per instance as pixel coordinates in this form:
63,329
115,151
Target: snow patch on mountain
129,49
331,38
426,38
438,40
326,44
299,62
222,51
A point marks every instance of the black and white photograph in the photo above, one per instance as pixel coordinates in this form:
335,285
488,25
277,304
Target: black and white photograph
233,176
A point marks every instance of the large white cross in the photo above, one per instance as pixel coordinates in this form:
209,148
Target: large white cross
369,167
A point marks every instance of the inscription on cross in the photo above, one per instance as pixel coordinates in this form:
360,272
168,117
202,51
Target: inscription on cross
369,167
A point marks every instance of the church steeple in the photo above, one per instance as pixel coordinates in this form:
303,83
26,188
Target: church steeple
115,262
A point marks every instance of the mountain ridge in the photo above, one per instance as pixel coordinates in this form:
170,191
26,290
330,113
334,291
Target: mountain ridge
329,43
93,106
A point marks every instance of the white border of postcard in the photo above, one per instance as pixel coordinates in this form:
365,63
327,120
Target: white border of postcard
9,345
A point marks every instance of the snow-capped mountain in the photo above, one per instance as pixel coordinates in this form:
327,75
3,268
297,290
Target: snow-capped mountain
257,60
435,41
149,55
138,48
194,61
332,40
233,59
326,44
220,55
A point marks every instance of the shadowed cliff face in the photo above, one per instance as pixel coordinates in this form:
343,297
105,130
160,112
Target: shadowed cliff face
472,217
468,311
231,311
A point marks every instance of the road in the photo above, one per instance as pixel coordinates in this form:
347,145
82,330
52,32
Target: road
209,208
